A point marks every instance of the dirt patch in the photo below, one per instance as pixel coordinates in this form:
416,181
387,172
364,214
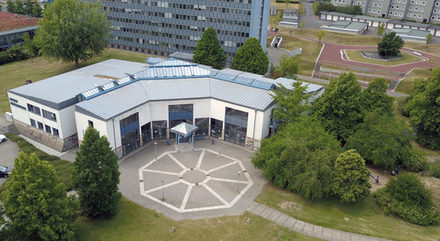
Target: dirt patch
384,178
291,205
433,184
105,77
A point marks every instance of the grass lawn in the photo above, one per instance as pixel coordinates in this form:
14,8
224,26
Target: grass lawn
14,74
365,217
134,222
407,84
356,55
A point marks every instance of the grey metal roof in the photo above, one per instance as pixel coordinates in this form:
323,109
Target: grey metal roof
182,56
61,91
411,33
421,25
184,129
18,30
237,87
337,14
369,18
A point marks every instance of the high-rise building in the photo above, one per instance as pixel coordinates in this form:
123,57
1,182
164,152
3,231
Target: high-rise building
164,27
417,10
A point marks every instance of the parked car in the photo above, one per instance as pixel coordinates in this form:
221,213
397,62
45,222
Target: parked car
3,138
5,171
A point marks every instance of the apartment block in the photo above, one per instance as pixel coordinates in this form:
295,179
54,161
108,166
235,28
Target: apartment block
416,10
164,27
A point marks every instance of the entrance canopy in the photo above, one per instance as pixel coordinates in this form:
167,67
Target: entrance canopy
184,130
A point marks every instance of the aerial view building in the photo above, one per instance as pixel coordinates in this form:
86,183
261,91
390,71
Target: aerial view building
417,10
164,27
134,103
12,28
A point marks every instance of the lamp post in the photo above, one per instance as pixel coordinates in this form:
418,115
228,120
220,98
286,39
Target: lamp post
238,184
163,189
155,149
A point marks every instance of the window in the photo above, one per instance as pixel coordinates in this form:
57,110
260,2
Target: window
55,132
33,124
90,123
400,14
423,3
40,125
49,115
33,109
47,129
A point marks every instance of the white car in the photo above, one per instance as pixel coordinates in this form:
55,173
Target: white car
3,138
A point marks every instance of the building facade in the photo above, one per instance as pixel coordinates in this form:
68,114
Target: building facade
417,10
136,108
164,27
13,27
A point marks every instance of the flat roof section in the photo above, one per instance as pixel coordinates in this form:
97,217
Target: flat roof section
11,21
61,91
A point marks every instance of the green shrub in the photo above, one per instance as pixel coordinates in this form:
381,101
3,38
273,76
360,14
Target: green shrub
401,105
415,162
406,197
63,168
435,169
15,53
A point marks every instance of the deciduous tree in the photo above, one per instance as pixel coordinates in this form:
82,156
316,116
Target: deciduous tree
37,204
424,110
390,45
251,58
340,108
321,34
375,97
291,103
209,51
428,39
96,176
289,66
380,30
351,177
72,30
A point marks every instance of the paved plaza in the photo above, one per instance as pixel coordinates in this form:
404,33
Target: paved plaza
211,180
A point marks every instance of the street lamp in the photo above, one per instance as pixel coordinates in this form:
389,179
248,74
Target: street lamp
163,189
238,184
155,148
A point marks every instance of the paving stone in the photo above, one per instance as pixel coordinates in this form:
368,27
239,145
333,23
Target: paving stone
299,225
282,219
308,228
327,233
290,222
318,229
344,236
259,209
253,207
355,237
274,215
266,213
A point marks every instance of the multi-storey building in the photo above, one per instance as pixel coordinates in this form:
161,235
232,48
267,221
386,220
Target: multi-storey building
13,27
417,10
164,27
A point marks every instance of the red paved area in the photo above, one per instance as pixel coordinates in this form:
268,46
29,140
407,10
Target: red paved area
8,21
333,54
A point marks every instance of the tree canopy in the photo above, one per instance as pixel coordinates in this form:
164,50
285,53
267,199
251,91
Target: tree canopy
408,198
351,177
251,58
36,203
289,66
375,97
340,108
290,103
209,51
96,176
72,30
390,45
424,110
300,157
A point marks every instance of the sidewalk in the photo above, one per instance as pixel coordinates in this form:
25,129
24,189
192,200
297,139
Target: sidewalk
306,228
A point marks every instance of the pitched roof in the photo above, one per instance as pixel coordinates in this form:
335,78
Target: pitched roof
184,129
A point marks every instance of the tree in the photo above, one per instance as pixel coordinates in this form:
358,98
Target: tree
380,30
29,45
289,66
382,140
209,51
37,204
340,109
375,97
408,198
28,8
96,176
19,7
290,103
300,158
351,177
10,6
321,34
424,110
390,45
302,24
72,30
428,39
251,58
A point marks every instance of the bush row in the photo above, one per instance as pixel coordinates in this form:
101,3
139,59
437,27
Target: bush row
12,54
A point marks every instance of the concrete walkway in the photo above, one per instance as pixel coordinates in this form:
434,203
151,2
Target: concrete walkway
306,228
